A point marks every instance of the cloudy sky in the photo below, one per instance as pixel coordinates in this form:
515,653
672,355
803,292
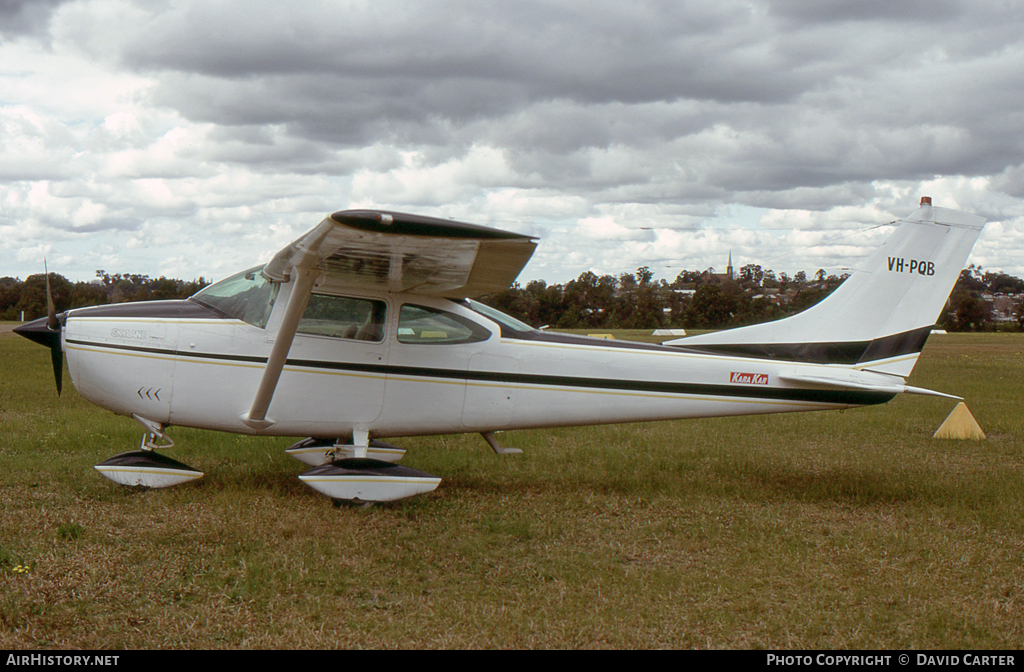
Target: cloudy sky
195,138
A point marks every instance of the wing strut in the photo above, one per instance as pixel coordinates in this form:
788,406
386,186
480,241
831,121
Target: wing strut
257,415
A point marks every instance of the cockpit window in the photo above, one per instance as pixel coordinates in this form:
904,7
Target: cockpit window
344,317
422,325
247,296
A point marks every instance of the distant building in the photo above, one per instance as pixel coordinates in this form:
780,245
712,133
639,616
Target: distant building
1004,307
721,278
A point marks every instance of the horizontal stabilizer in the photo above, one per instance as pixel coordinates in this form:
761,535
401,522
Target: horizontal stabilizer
889,387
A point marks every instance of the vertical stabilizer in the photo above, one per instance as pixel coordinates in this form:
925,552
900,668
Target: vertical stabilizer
880,317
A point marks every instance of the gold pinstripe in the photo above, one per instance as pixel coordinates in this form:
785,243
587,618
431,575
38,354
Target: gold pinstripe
150,470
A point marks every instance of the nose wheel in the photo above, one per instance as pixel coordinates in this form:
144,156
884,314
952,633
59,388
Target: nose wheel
145,468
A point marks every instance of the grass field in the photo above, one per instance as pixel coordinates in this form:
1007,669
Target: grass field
839,529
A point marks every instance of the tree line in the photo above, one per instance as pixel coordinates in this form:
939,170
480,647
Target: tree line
29,295
706,300
693,300
979,297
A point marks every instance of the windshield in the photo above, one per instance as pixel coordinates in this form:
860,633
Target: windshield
247,296
506,322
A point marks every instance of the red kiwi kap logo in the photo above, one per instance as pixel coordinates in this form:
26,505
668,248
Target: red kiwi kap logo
749,378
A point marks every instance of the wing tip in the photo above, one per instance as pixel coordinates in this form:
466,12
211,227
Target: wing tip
387,221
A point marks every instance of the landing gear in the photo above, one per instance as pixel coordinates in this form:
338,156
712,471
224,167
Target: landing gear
315,452
145,468
361,472
498,449
364,480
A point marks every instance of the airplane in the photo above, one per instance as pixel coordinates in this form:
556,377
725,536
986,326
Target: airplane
367,328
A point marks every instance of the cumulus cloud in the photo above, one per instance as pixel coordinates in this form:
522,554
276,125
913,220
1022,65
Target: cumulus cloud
26,17
615,132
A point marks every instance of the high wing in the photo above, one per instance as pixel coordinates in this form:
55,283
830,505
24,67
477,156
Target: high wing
389,251
397,252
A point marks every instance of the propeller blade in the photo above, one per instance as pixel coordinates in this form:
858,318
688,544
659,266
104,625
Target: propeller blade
47,331
51,312
57,357
40,332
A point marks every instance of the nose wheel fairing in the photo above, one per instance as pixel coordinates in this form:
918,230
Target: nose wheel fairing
146,469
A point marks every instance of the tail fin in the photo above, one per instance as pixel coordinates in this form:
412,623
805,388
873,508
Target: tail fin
880,317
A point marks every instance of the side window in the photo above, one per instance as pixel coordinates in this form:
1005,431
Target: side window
422,325
344,317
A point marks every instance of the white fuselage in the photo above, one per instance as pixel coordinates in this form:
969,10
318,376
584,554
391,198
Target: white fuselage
175,363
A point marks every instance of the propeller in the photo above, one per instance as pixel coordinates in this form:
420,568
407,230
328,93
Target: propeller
46,331
51,312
